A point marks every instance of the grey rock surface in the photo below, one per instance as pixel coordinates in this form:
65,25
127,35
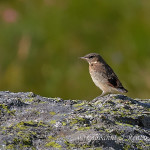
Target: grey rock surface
112,122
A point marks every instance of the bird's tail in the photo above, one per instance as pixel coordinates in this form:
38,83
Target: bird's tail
122,90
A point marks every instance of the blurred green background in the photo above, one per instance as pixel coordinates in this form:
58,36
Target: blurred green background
40,42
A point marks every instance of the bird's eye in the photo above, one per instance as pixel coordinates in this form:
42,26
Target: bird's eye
91,57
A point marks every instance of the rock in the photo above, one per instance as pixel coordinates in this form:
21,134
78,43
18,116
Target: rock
111,122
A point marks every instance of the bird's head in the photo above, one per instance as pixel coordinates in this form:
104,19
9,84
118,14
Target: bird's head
92,58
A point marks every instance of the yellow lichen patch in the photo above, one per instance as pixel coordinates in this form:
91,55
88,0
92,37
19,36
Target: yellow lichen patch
124,124
52,121
10,147
69,145
5,109
83,128
29,100
64,123
53,144
41,123
20,126
52,113
77,105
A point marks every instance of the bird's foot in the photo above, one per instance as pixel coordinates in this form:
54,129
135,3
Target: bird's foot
103,93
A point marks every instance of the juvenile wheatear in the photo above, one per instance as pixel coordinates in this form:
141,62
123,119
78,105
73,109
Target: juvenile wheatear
102,75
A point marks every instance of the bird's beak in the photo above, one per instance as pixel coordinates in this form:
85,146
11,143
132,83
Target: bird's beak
83,58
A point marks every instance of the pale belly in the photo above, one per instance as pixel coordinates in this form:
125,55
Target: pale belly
101,82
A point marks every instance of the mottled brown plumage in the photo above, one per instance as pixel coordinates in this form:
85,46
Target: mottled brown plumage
102,74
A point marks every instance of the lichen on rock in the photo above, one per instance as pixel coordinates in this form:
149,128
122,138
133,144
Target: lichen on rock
29,121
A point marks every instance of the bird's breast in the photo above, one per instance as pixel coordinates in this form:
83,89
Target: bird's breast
98,78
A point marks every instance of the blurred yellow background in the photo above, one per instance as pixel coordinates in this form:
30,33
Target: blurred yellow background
40,42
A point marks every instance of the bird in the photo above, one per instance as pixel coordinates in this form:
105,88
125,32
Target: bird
103,75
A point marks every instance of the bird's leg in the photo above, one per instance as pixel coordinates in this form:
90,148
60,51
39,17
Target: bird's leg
103,93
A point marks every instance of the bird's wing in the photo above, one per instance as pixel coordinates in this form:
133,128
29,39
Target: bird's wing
112,78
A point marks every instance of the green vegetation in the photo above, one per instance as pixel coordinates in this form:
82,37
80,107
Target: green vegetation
40,43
